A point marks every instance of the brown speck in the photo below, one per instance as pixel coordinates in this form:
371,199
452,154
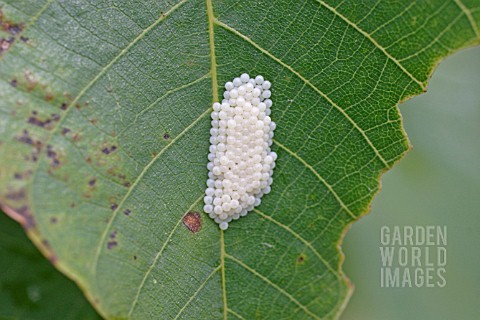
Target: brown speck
134,257
13,83
112,244
127,184
5,44
25,138
22,215
33,119
166,136
193,221
53,220
24,39
55,117
113,234
301,259
52,155
17,176
65,131
92,182
10,26
64,106
48,96
16,195
107,150
114,206
72,205
127,212
93,121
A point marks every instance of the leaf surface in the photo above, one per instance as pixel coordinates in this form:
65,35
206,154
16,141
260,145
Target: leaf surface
104,138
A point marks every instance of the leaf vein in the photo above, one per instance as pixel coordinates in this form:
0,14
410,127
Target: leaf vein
273,285
372,40
469,15
360,130
329,187
140,176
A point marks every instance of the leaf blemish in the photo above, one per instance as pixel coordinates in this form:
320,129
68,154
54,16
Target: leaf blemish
35,120
127,212
10,26
114,206
193,221
112,244
5,44
13,83
52,155
16,195
53,220
166,136
107,150
301,259
64,106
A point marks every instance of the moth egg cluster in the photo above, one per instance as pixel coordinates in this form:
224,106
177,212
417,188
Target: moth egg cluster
240,160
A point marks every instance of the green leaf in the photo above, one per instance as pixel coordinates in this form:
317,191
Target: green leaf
104,135
30,287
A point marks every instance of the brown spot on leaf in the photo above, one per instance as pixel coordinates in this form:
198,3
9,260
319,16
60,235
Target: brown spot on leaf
10,26
16,195
52,155
13,83
18,176
92,182
25,138
112,244
46,123
53,220
301,259
127,212
134,257
24,39
65,131
108,150
114,206
64,106
5,44
113,234
22,215
193,221
49,96
166,136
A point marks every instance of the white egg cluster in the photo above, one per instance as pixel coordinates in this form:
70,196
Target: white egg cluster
240,160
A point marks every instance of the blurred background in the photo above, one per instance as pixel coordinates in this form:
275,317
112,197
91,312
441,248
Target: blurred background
437,183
